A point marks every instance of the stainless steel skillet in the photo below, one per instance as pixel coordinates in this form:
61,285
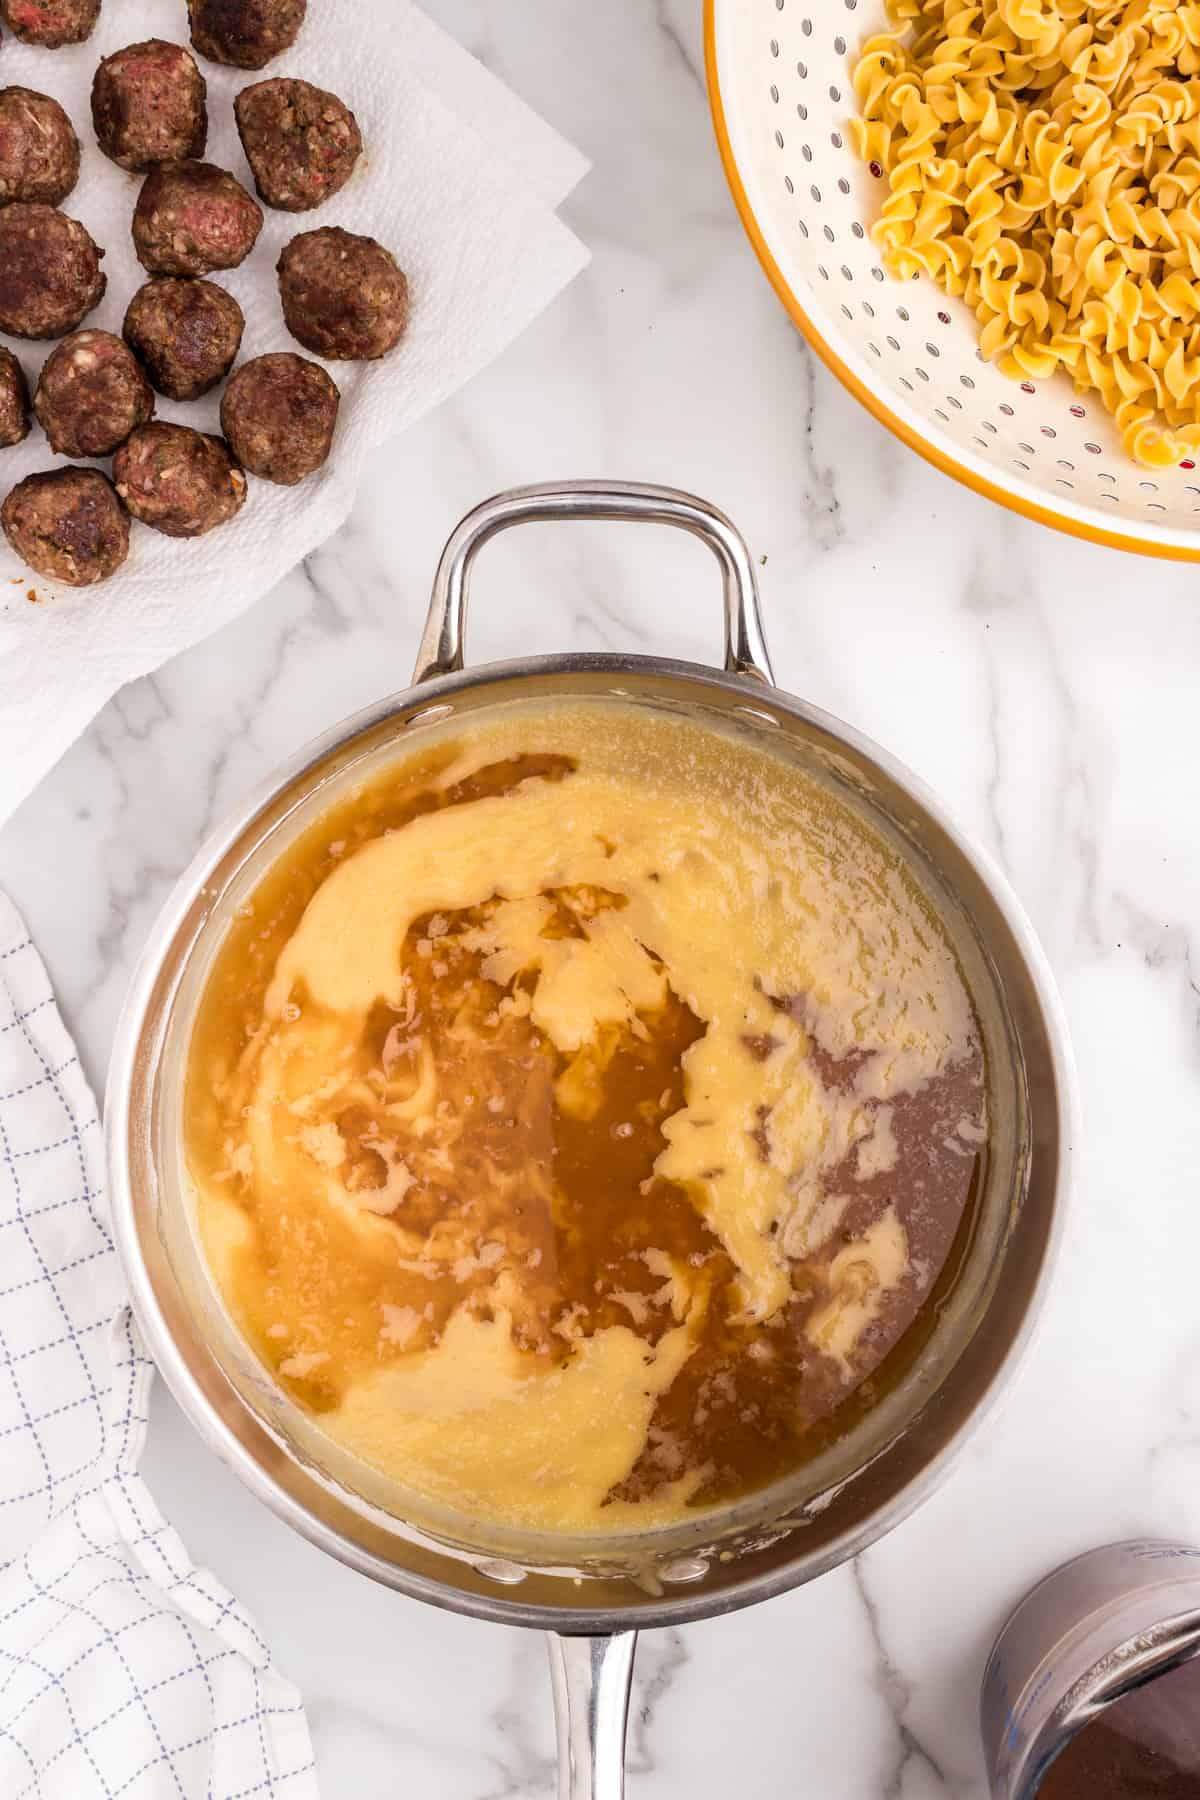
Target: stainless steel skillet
593,1595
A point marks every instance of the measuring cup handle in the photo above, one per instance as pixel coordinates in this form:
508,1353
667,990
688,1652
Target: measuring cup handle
591,1677
441,651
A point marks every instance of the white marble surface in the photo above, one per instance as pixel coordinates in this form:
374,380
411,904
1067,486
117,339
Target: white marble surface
1046,688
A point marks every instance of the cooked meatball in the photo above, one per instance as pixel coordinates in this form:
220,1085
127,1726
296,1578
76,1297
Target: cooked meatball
14,400
278,414
39,152
51,23
50,275
185,333
180,481
68,525
246,33
301,142
149,105
192,217
343,296
91,394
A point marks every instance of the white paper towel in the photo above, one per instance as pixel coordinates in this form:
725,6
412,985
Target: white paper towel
458,179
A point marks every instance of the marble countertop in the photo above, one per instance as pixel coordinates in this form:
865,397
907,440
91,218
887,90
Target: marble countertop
1045,688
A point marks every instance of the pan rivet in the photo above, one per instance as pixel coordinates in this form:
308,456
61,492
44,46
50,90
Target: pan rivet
684,1568
496,1569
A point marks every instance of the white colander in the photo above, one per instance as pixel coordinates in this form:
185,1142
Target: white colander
779,78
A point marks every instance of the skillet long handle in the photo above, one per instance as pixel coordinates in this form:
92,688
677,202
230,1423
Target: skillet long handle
591,1677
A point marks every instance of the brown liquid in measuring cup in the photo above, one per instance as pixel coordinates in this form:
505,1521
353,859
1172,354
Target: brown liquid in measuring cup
1145,1746
587,1118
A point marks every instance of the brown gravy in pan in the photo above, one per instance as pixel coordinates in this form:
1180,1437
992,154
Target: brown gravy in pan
586,1119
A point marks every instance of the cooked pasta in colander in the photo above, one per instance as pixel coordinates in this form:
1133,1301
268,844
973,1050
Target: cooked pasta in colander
1043,162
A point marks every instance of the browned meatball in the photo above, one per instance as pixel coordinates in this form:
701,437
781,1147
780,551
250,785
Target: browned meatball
185,333
50,275
68,525
14,400
51,23
91,394
149,105
192,217
180,481
301,142
39,152
246,33
279,413
343,296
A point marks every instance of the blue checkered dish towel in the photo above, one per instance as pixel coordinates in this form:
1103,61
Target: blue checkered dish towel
125,1670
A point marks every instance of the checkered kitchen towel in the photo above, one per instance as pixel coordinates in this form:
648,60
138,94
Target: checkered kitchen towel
124,1669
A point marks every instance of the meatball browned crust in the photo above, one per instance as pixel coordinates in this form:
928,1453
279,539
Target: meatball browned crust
279,413
149,105
180,481
185,333
50,275
39,152
91,394
68,525
192,217
344,297
14,399
301,142
246,33
50,23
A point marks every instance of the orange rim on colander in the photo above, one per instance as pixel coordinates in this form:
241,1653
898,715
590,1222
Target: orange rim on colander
932,453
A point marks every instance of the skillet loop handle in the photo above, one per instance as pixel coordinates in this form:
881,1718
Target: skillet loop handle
441,651
591,1677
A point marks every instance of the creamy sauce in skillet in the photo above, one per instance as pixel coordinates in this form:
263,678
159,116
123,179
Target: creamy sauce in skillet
585,1117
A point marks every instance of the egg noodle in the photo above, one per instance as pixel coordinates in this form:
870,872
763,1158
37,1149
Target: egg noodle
1043,163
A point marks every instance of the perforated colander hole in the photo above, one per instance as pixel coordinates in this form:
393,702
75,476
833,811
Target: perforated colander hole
856,229
847,273
828,230
774,46
839,44
1187,463
1078,412
1063,482
868,309
775,93
806,27
933,350
902,313
802,110
1115,498
894,342
850,5
816,194
1064,464
1027,387
835,95
966,381
1155,506
1092,449
1150,487
802,70
879,352
1105,476
907,384
951,400
1018,464
788,184
944,318
877,272
943,416
1048,431
980,443
822,271
846,313
1193,490
1027,448
876,169
835,138
986,425
1006,409
922,374
806,153
779,139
